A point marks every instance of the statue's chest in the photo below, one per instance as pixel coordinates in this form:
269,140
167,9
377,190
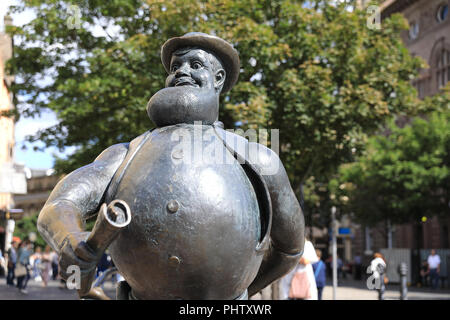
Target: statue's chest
182,180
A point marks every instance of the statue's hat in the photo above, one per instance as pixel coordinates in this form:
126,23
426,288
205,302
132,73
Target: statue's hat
219,47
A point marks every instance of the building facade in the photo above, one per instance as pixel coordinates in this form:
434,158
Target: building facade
6,136
428,38
40,184
6,123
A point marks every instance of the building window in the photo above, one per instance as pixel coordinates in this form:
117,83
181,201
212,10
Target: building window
420,84
442,13
413,30
443,68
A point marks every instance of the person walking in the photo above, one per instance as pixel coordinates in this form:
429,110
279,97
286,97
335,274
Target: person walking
54,260
358,267
35,261
320,274
424,274
103,264
22,269
46,265
378,268
434,264
2,264
303,284
12,260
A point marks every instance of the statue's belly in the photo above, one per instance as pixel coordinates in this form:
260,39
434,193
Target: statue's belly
194,226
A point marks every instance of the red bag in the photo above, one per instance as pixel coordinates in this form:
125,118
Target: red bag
300,286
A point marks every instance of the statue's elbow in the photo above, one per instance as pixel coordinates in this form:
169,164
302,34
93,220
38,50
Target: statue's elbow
46,216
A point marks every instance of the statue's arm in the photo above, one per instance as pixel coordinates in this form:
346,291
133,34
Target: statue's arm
77,197
288,225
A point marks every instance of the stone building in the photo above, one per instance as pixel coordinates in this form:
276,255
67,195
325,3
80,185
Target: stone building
428,37
10,180
40,183
6,123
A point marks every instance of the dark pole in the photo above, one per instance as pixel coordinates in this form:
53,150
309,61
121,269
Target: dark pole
403,271
382,289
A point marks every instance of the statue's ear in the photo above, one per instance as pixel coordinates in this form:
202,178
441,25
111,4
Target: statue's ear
219,79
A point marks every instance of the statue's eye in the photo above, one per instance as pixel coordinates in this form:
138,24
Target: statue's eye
174,67
196,65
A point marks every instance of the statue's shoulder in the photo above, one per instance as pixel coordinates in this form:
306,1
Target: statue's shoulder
113,152
120,150
263,159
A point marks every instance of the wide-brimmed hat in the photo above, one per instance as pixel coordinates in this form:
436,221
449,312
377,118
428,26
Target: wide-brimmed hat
221,48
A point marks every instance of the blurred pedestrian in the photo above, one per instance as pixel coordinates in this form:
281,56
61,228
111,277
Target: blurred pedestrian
434,264
23,265
320,274
103,264
12,260
378,267
424,274
358,266
2,264
47,264
35,261
340,266
54,260
303,284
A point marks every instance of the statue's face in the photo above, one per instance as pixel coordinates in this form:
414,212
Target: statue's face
194,68
192,89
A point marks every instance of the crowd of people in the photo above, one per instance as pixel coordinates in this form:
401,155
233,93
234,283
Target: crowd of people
308,279
24,263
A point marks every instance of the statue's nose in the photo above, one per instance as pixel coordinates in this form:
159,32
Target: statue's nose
182,71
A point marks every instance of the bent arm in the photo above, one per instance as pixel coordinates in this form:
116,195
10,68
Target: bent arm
77,197
288,225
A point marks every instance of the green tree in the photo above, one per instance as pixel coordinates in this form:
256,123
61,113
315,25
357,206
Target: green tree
404,174
312,69
27,225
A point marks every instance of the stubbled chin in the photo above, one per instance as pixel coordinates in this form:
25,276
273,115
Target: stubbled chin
183,104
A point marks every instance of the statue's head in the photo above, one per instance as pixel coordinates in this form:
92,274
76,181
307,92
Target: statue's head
200,67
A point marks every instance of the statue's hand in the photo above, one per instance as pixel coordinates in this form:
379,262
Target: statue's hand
83,258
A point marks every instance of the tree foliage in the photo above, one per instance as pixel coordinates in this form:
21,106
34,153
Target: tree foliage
25,226
404,174
313,69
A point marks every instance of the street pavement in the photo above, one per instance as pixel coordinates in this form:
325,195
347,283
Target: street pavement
357,290
347,290
36,292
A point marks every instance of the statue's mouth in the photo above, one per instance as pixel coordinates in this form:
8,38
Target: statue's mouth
185,81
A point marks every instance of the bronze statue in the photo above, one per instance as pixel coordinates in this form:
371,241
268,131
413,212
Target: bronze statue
199,230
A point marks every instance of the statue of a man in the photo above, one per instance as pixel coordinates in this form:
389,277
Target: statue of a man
199,230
